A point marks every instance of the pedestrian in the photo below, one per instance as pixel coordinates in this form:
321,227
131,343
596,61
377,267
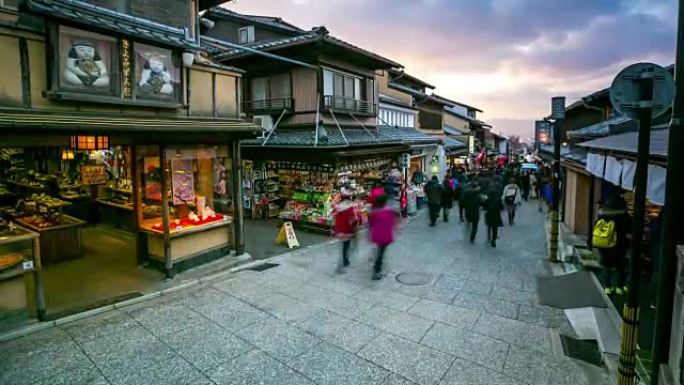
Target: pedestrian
433,193
511,199
533,186
346,224
447,197
382,221
525,185
472,203
610,238
493,208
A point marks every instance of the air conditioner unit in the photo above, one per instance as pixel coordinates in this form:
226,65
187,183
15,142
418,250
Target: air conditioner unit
265,121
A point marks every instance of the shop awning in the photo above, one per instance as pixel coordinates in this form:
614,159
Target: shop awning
332,137
627,143
154,128
454,145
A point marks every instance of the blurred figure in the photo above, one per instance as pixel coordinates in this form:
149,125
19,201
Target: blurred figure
493,208
346,224
447,197
472,203
511,199
434,192
525,185
610,238
382,221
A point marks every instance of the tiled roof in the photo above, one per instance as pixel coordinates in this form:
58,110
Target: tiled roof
399,74
468,118
82,12
274,22
453,131
453,144
320,35
614,125
390,100
454,103
331,137
408,90
578,155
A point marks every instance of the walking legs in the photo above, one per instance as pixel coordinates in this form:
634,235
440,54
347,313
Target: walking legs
473,230
377,268
346,244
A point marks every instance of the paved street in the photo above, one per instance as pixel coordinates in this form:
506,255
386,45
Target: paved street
476,323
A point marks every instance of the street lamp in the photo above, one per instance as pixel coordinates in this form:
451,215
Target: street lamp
557,114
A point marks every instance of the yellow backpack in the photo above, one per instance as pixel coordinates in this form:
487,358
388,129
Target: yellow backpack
604,235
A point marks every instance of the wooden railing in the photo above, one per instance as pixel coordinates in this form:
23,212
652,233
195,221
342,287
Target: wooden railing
360,107
267,105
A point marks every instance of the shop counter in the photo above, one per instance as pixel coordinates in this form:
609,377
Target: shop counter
115,214
59,242
16,268
189,241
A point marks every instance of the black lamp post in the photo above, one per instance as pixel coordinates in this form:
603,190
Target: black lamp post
557,115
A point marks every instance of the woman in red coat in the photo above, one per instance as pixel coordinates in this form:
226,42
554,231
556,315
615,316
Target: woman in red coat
347,221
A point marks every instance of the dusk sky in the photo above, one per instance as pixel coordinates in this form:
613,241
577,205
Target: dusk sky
507,57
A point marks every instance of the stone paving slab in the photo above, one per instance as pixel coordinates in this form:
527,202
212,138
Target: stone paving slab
469,346
514,332
388,299
462,372
117,355
279,339
487,304
455,316
399,323
99,326
542,368
416,362
348,334
174,371
256,368
207,346
329,365
287,308
346,306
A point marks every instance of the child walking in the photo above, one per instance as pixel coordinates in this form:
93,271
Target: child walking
382,221
347,220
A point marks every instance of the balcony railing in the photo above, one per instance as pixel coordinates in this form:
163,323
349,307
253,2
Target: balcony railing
267,105
360,107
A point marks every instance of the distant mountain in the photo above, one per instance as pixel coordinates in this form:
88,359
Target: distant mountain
521,127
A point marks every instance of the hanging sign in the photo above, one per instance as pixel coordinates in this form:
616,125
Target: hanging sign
93,174
182,181
286,236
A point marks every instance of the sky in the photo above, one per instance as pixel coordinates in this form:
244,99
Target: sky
507,57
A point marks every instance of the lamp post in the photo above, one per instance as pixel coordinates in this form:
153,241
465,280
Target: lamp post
642,91
557,114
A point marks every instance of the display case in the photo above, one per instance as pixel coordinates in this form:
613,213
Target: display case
19,259
194,219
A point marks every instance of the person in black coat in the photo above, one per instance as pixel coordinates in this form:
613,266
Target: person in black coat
472,203
447,197
493,208
433,193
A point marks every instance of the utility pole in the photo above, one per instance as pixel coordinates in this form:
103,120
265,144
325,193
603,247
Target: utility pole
642,91
558,114
674,189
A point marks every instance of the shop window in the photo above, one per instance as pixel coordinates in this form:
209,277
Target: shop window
199,198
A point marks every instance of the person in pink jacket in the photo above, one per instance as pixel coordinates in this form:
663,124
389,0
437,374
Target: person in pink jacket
382,222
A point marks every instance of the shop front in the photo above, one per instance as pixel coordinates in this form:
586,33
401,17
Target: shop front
304,189
84,205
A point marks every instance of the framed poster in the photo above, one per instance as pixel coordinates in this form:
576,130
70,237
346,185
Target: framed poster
152,175
182,181
88,62
157,73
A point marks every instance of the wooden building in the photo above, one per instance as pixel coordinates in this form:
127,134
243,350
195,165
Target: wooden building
119,143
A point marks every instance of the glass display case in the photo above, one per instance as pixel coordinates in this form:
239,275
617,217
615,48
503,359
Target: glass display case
197,203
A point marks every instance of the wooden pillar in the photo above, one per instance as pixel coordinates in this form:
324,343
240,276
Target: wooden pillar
238,217
590,218
168,261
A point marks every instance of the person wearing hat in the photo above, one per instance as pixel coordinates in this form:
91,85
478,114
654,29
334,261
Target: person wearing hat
614,259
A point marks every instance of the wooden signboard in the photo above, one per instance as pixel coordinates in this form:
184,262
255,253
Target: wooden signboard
93,174
287,236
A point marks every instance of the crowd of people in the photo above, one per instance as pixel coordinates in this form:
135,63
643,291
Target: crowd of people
491,191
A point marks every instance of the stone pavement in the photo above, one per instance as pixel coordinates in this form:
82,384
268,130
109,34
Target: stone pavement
477,322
